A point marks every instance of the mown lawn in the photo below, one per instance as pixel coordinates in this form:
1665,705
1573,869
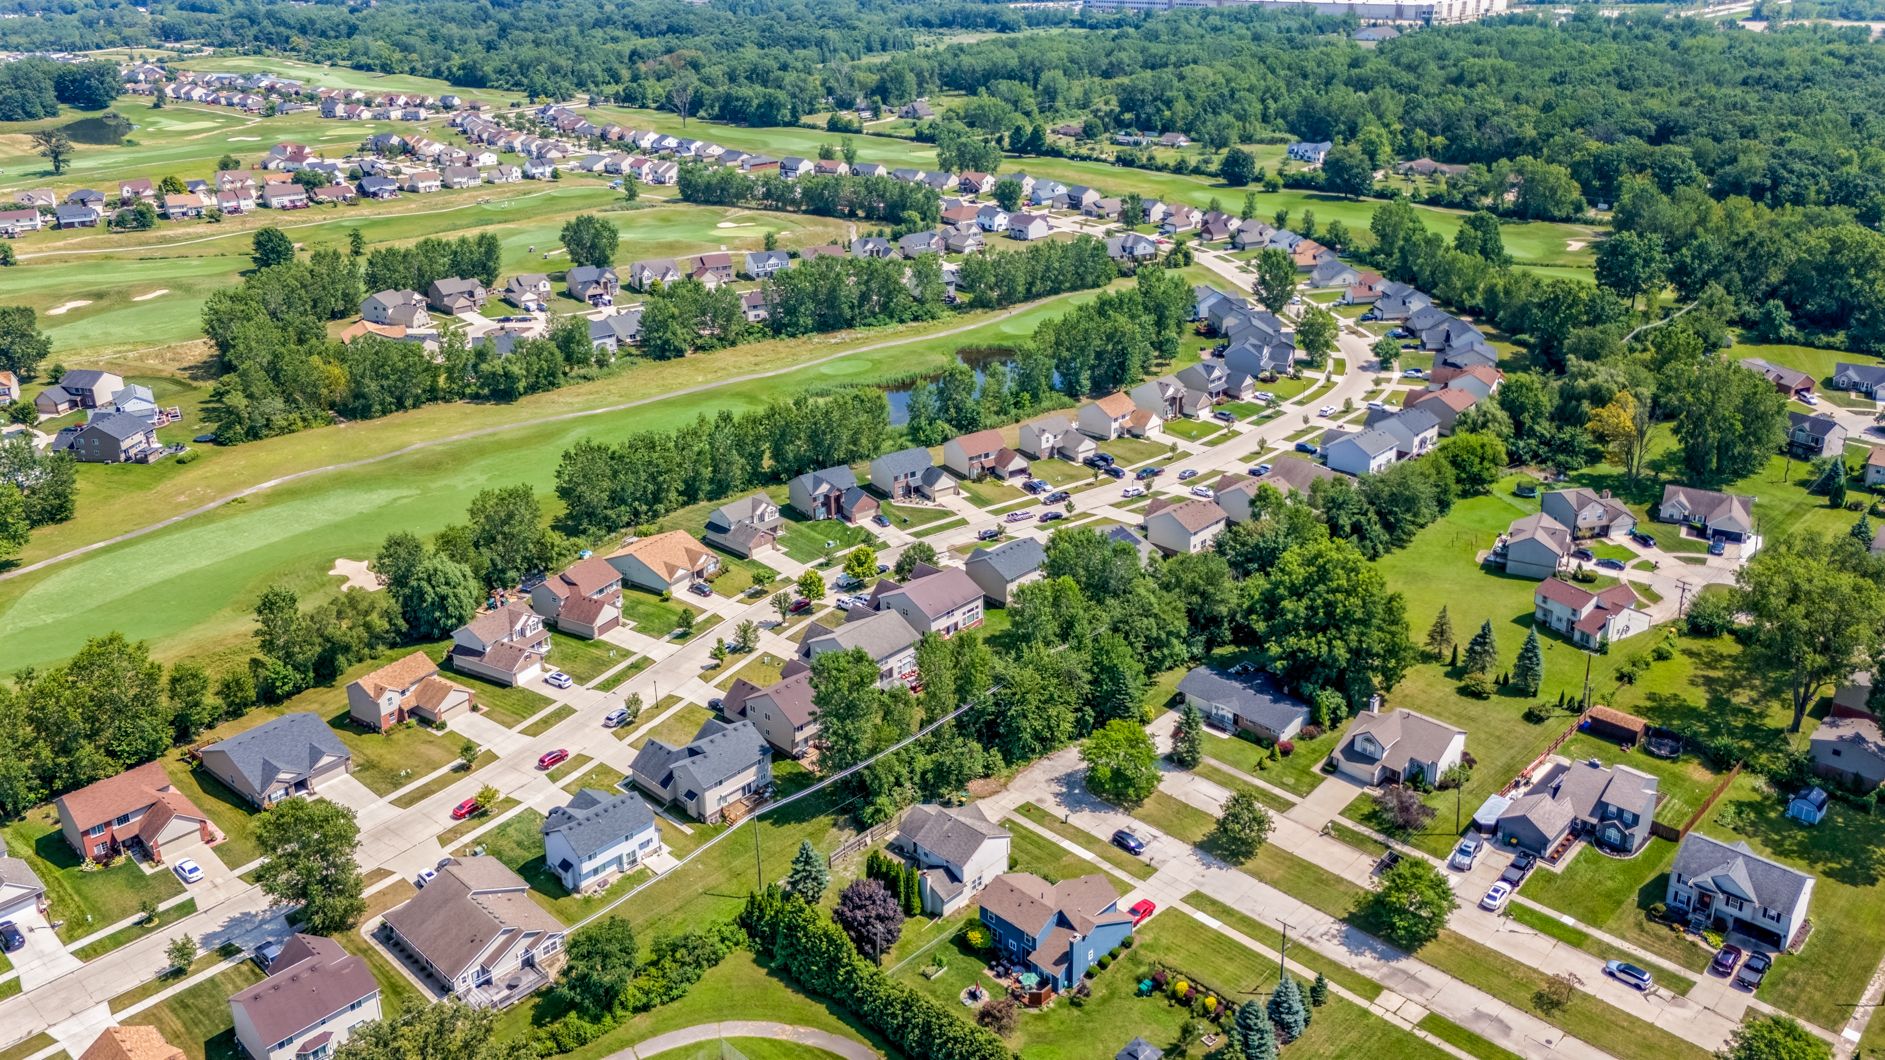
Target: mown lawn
1131,451
85,901
761,669
1299,771
196,1020
548,721
652,616
912,516
415,796
678,729
131,933
230,813
509,706
603,776
584,660
806,540
518,843
1107,852
1034,852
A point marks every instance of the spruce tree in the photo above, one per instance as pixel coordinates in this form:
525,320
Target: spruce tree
1188,738
1440,634
809,876
1482,652
1529,672
1255,1032
1862,531
1287,1010
1319,991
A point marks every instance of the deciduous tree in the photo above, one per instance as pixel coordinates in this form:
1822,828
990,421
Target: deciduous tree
1411,905
1241,829
1122,764
870,915
308,847
1815,613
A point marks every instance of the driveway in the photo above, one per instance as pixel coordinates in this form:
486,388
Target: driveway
44,957
349,792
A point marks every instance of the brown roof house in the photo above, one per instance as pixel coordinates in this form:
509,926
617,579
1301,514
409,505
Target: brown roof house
1724,515
664,561
476,930
1187,527
131,1042
400,691
506,645
1588,513
315,995
937,601
1398,745
783,711
982,453
1588,618
745,526
280,759
137,808
1056,930
1849,750
585,600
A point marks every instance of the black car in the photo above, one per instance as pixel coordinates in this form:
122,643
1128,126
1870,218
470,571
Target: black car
1306,447
1754,971
1643,539
989,534
10,937
1128,842
1056,497
1516,872
1114,472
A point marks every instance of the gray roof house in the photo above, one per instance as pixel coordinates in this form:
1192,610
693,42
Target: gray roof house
957,852
744,526
1815,434
1006,567
597,836
908,473
455,296
760,264
1361,452
596,285
110,438
1729,886
937,601
884,635
1849,750
1535,546
1386,748
1867,379
475,929
783,711
616,330
721,765
1612,807
278,759
832,493
1724,515
1587,513
1252,702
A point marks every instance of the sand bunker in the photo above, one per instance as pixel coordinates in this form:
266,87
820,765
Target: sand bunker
158,293
233,139
66,307
734,224
357,575
1575,245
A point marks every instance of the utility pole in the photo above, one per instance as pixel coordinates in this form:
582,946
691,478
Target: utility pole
1282,955
759,870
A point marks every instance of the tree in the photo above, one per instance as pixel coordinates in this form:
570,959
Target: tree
1315,335
1122,764
1631,264
1287,1010
1730,421
870,915
1327,619
811,586
1411,905
22,344
441,595
1815,614
1346,171
1475,459
187,689
1008,193
809,876
1255,1032
1622,427
308,847
271,247
1276,278
444,1029
1319,991
181,952
746,636
1480,236
912,554
861,563
1440,634
356,243
54,146
15,529
1241,830
998,1015
467,754
1238,168
1774,1038
1188,738
600,973
1403,808
590,240
1528,673
782,603
1482,652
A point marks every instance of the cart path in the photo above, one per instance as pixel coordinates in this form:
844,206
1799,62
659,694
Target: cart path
838,1045
486,432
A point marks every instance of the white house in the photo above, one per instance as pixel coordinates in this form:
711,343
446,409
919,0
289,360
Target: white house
957,852
1189,526
315,995
1398,745
1588,618
667,561
597,836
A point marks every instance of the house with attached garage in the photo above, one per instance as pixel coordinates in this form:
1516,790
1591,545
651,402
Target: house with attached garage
1849,750
721,766
643,275
910,473
832,493
1106,418
13,222
1360,452
1444,404
505,645
882,635
278,759
1725,515
1611,807
1312,152
1055,930
379,188
615,331
596,836
1252,701
782,711
475,930
1028,226
456,296
1587,618
584,599
1165,399
77,215
528,291
943,602
403,690
1006,567
1399,745
1789,381
1729,887
1814,435
1189,526
315,995
1867,379
1415,431
110,438
745,526
1041,439
1132,246
594,284
761,264
1333,274
1588,513
977,454
1536,546
664,562
79,388
424,181
399,308
137,809
957,851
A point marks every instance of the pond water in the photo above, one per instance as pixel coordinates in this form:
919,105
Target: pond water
104,130
980,358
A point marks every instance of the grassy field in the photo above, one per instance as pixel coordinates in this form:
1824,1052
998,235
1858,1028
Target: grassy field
678,728
85,901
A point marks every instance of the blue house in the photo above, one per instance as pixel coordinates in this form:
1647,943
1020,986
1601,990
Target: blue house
1057,930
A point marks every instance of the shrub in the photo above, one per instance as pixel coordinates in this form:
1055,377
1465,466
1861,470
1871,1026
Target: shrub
977,937
1126,943
1310,732
998,1015
1537,714
1663,652
1286,747
1477,685
1657,910
188,456
1105,961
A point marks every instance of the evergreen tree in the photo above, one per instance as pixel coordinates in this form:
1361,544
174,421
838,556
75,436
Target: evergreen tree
1187,738
1862,531
1319,991
1482,652
809,876
912,895
1255,1032
1440,634
1529,672
1287,1011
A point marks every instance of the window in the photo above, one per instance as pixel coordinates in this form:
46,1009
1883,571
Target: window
123,818
97,829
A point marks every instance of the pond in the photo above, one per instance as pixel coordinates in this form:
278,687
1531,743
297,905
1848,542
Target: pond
980,358
106,130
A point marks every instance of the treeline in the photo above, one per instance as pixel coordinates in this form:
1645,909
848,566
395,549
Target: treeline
416,267
651,473
1113,341
991,281
31,89
904,207
37,488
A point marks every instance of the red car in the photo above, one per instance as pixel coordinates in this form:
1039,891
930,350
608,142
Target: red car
801,605
1142,909
465,809
552,758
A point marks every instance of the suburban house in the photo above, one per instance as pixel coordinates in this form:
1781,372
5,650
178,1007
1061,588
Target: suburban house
1789,381
1414,431
1251,702
584,599
528,291
1611,806
943,602
1361,452
982,453
1587,513
400,308
1293,476
1723,515
957,851
1050,437
110,438
831,494
593,284
1056,930
1310,152
284,196
505,645
1107,418
132,1041
616,330
1811,435
1189,526
597,836
424,181
745,526
883,635
1867,379
999,571
1731,888
1874,466
1444,404
783,711
761,264
279,759
1398,745
1165,398
723,764
1133,246
138,808
475,930
400,691
456,296
664,562
78,388
910,473
1536,546
1850,751
316,993
1028,226
1588,618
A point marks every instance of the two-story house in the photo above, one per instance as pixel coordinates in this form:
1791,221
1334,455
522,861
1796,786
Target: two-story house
1056,930
722,765
910,473
1588,618
1188,526
745,526
1106,418
584,599
315,995
1055,436
982,453
139,807
1814,435
1536,546
594,284
109,437
937,601
957,852
1587,513
832,493
279,759
1006,567
1398,745
664,562
882,635
475,930
1731,888
400,691
597,836
396,308
1612,807
1360,452
505,645
783,711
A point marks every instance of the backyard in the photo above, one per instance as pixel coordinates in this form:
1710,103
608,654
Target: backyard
518,843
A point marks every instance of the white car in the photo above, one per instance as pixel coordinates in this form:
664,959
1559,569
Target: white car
1496,896
1265,396
1203,491
1133,491
425,876
1326,410
188,871
1378,406
558,679
615,717
844,603
1809,399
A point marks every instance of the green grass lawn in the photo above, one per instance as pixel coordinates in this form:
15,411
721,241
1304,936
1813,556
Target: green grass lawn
678,728
1034,852
1684,783
738,575
230,813
910,516
1223,778
932,529
584,660
652,616
127,935
1299,771
1107,852
548,721
518,843
1131,451
85,901
805,540
509,706
603,776
1454,1034
762,670
461,829
409,799
27,1047
1549,923
1302,958
619,677
196,1019
1192,430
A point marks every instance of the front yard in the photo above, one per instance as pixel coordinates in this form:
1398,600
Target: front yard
1131,451
807,542
678,729
196,1019
762,670
85,901
583,660
1614,895
911,516
518,843
652,616
230,813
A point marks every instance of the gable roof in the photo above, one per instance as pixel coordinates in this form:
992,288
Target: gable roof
937,593
717,752
1031,903
880,634
400,674
950,835
1011,560
470,905
904,461
595,820
1196,515
293,744
1737,869
309,980
1255,696
1707,505
666,554
1404,735
790,695
979,441
1541,528
131,1042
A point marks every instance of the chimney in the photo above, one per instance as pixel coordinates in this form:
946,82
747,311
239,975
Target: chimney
1606,495
1374,703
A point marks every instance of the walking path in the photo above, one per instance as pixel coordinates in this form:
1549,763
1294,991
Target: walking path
848,1048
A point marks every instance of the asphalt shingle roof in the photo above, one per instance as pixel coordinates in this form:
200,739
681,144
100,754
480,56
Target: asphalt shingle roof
596,820
292,743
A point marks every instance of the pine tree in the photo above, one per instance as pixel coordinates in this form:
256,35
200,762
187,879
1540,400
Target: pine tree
1862,531
1188,738
1253,1028
1529,672
912,893
809,876
1319,991
1440,635
1287,1010
1482,652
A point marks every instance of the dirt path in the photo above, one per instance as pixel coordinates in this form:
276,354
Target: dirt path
486,432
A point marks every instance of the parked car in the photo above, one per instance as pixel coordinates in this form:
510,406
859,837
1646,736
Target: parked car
10,937
1717,546
615,717
1643,539
1727,959
1629,975
425,876
1515,873
266,953
1133,491
881,519
557,679
1049,517
1017,517
1584,555
1128,842
845,581
1465,854
465,809
1141,910
188,870
1326,410
1114,471
800,606
1203,491
1146,473
1260,470
1056,497
551,759
1265,396
1496,896
1307,447
1610,564
1754,971
989,534
1188,474
1227,417
1414,373
1809,399
700,588
845,603
1378,406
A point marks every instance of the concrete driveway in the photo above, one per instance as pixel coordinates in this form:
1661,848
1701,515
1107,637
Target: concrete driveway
44,957
349,792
